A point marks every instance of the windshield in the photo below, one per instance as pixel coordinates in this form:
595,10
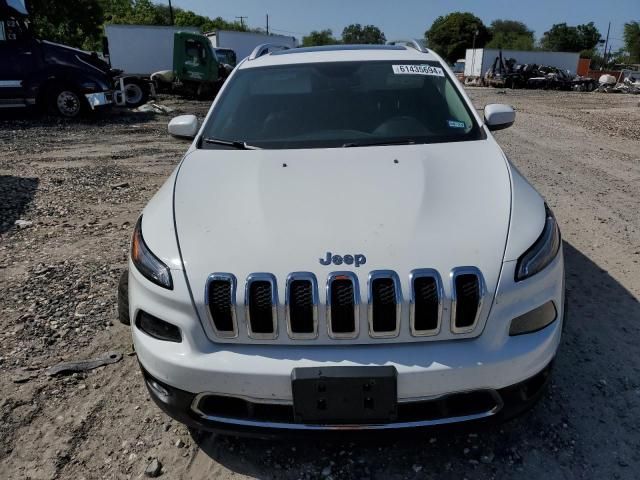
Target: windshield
341,104
226,56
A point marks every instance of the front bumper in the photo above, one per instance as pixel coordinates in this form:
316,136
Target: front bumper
99,99
469,371
265,420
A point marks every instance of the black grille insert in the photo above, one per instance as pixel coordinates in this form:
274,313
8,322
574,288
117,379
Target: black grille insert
342,306
448,409
221,304
468,296
426,304
301,308
383,305
261,307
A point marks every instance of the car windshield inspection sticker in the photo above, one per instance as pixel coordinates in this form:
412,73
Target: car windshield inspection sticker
456,124
418,70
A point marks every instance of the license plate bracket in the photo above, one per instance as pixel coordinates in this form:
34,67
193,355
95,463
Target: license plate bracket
344,395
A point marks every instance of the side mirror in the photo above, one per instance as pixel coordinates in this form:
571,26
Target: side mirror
185,126
498,116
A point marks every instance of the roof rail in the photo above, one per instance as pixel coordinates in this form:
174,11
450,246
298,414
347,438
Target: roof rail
266,48
412,43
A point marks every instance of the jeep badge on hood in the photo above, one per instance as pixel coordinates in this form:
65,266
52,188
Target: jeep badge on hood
357,259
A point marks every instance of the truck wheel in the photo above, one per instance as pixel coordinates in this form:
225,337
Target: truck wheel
123,298
67,103
135,95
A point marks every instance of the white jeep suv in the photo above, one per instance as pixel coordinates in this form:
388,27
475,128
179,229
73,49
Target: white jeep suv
344,246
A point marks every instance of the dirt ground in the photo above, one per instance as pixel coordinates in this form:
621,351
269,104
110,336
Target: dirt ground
83,184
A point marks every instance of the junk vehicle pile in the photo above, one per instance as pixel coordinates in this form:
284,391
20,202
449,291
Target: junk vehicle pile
627,82
510,74
539,70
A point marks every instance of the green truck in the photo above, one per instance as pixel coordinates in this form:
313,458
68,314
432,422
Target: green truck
178,59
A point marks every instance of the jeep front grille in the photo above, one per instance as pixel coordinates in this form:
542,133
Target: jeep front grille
302,305
343,300
261,299
385,300
220,297
468,291
305,318
426,302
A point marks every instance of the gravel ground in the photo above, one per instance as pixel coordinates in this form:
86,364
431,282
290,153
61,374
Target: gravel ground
75,190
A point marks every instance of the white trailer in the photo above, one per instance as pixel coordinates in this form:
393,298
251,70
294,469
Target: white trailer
142,49
478,61
243,43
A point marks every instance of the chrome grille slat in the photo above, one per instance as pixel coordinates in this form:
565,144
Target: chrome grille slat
343,302
220,299
426,302
261,306
385,299
467,293
301,306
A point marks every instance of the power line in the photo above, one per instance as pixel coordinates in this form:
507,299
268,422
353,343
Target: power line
242,19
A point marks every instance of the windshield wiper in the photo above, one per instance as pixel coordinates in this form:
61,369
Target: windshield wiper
230,143
406,141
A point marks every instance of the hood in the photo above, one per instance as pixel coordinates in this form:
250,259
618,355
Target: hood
14,7
280,211
74,57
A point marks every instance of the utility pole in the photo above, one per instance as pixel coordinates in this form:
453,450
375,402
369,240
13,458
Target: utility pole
267,24
170,13
241,18
606,43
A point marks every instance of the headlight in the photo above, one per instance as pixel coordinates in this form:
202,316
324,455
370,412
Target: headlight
543,251
146,262
90,86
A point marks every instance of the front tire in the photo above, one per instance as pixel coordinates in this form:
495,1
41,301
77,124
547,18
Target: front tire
123,298
135,95
66,102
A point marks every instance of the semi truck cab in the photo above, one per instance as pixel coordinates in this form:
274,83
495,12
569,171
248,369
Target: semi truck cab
56,77
197,66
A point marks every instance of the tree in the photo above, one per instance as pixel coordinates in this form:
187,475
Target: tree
187,18
316,38
73,22
78,23
452,34
369,34
144,12
589,36
116,10
564,38
632,41
510,34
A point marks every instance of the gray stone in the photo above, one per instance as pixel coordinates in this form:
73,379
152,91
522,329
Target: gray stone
154,469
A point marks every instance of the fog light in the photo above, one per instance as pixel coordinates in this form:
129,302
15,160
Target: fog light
159,329
162,392
534,320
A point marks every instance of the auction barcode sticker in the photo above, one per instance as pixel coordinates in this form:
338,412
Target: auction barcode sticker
417,70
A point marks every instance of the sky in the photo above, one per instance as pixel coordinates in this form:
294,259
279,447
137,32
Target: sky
410,18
